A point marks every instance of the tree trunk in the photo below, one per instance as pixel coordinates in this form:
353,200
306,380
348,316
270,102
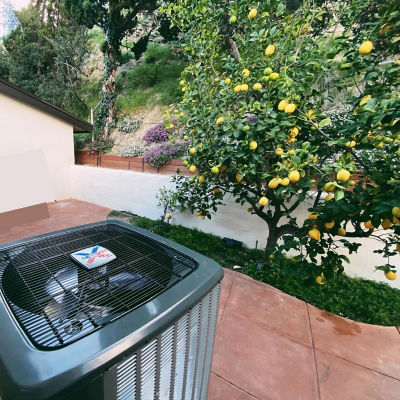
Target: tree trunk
108,89
273,236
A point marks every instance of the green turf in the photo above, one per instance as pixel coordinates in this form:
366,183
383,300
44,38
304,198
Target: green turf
358,299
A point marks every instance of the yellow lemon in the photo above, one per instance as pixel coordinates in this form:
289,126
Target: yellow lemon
310,115
294,176
278,151
391,275
350,144
220,120
186,137
215,191
312,215
185,163
201,179
182,82
228,81
343,175
387,223
244,87
282,105
285,181
291,152
232,19
396,212
274,76
320,280
192,150
270,50
257,86
368,225
263,201
315,234
365,47
238,177
253,13
253,145
215,170
329,187
202,217
341,232
192,168
329,225
169,216
293,132
237,88
365,99
290,108
198,213
329,197
385,28
246,73
273,183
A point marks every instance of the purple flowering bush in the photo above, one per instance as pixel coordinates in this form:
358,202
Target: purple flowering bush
159,155
100,144
157,133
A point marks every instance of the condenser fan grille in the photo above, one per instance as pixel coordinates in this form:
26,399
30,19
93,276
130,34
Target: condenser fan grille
56,301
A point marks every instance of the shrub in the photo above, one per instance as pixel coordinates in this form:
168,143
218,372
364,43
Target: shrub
157,133
157,53
159,155
129,125
101,145
81,140
132,151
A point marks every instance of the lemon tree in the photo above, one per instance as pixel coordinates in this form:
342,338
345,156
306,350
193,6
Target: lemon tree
290,107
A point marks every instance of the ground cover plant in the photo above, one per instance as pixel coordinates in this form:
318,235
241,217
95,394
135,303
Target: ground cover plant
358,299
286,106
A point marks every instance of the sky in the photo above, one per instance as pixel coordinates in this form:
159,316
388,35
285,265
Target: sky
17,5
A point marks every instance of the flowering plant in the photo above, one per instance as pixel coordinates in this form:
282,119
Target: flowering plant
159,155
100,144
157,133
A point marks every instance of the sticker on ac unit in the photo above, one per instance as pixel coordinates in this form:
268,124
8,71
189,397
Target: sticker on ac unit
93,257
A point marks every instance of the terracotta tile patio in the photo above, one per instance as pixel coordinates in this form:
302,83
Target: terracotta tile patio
272,346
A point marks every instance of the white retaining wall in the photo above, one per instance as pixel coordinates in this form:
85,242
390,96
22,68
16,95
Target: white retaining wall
136,192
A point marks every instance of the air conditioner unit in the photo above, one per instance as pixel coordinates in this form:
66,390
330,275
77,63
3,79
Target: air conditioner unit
105,311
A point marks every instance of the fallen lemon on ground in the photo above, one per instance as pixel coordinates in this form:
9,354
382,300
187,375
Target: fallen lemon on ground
263,201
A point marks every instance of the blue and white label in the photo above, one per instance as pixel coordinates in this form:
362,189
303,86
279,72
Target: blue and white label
93,257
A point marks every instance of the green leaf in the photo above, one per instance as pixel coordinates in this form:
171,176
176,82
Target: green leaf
325,122
339,194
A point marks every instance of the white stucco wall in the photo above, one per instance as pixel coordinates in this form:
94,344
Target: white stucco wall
136,192
36,153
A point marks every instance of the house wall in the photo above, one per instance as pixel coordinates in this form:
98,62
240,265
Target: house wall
136,192
36,154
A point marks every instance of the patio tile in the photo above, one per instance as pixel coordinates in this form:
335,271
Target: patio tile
226,286
263,363
220,389
371,346
270,308
341,379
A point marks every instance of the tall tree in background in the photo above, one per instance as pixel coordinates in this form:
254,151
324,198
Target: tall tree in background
116,18
45,54
8,20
